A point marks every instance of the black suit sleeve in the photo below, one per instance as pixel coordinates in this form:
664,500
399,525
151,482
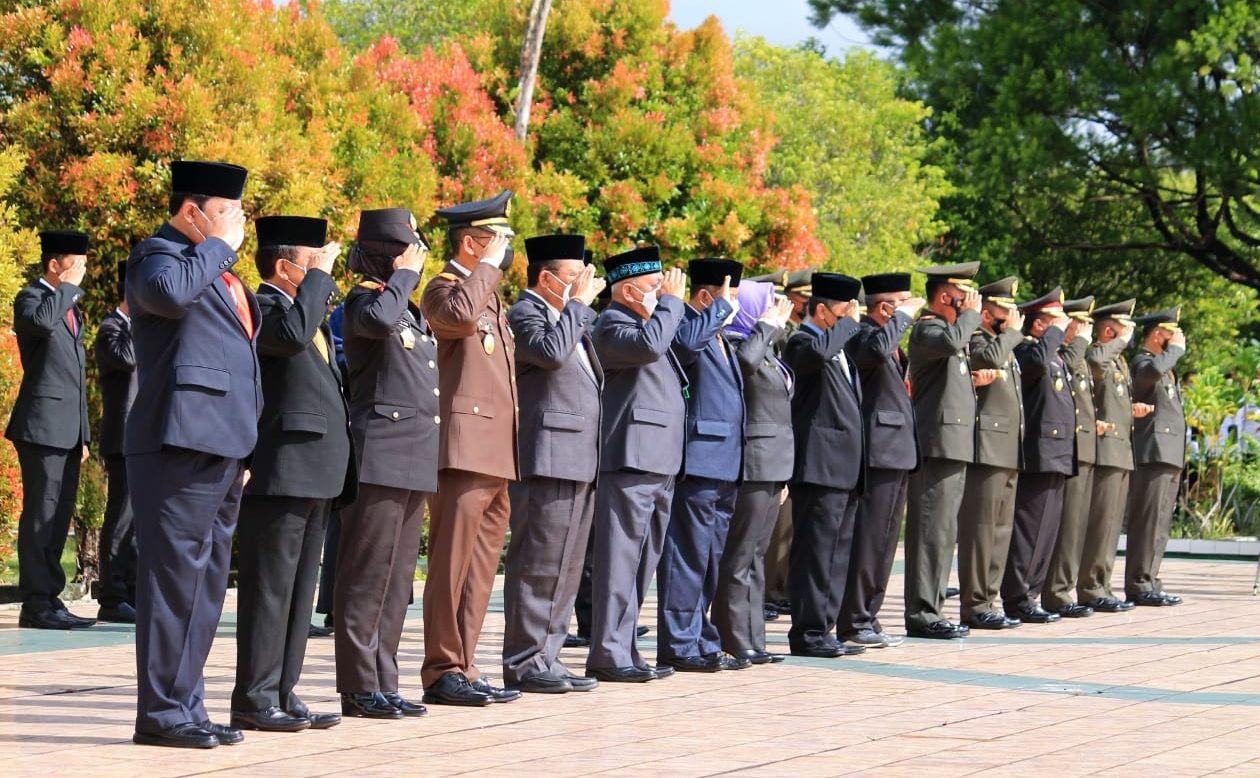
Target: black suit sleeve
113,348
287,332
752,351
695,333
1034,356
543,344
806,353
37,313
376,316
874,344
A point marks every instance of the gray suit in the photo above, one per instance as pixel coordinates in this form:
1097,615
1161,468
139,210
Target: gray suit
988,505
944,403
1113,405
558,382
643,422
1159,453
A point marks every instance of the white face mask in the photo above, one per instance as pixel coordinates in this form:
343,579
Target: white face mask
650,300
567,294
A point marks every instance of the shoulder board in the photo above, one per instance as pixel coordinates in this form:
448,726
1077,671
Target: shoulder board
375,286
979,331
448,276
927,316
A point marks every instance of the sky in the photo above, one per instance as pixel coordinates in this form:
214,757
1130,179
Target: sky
785,22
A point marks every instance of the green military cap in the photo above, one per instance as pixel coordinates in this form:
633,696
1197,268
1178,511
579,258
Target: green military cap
491,214
1080,308
778,278
1001,292
961,275
1049,303
1121,312
800,281
1168,319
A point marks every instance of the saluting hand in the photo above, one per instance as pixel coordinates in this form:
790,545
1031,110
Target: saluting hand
777,315
1060,321
1126,333
854,311
971,301
1178,339
412,258
495,249
675,283
725,291
228,226
911,306
587,287
1015,320
74,273
326,257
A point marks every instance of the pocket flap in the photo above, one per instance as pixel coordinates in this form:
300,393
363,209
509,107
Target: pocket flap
990,422
472,406
1056,431
953,417
563,420
199,375
650,416
762,429
713,428
394,412
890,418
302,421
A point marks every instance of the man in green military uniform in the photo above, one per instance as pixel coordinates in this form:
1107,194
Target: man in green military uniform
1159,453
1114,412
988,504
1058,596
945,412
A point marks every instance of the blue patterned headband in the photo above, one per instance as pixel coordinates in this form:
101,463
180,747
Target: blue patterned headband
631,269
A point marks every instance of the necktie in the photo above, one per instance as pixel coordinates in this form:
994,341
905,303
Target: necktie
243,313
321,345
74,325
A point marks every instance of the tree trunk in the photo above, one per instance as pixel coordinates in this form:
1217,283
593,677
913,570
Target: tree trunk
531,51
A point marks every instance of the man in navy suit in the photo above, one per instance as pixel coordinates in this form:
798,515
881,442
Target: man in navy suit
642,434
830,459
49,425
194,422
704,500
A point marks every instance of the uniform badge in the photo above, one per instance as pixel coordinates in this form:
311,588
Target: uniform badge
1058,383
408,338
487,343
962,365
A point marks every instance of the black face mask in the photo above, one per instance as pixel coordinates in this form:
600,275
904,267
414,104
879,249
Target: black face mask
998,326
956,303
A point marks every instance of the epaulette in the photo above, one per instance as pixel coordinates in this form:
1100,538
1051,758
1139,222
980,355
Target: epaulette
448,276
375,286
927,316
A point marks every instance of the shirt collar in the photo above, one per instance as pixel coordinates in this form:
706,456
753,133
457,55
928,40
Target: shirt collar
278,289
44,281
123,314
552,313
458,268
814,328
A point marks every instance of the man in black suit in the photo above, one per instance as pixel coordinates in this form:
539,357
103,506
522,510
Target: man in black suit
49,425
302,463
116,366
830,459
558,381
392,359
892,453
194,422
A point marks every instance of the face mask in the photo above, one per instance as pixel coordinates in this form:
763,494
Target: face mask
649,301
566,295
998,325
956,303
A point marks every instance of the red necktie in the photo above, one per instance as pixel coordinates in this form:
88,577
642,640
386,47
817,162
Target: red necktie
74,325
243,313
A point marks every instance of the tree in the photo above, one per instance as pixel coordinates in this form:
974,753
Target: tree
859,150
531,50
1141,114
360,24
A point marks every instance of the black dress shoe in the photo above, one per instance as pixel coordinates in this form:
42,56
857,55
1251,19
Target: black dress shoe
1073,611
581,684
122,613
318,720
496,694
1033,614
228,736
576,641
629,674
940,630
952,592
316,631
1154,599
641,630
543,684
770,614
756,656
989,620
664,671
186,735
692,664
52,619
819,651
367,706
270,720
406,707
1110,605
1171,598
728,662
782,606
454,689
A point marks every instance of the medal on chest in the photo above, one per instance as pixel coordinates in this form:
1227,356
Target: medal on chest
407,337
1058,382
487,336
962,364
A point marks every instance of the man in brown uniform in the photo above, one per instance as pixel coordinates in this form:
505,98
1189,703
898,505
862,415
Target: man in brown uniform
477,453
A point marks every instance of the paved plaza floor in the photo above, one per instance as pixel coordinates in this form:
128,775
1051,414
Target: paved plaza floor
1153,692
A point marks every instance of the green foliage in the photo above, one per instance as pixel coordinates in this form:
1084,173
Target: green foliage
855,146
360,24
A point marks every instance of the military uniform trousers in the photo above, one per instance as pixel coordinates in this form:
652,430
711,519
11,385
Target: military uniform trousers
934,496
50,481
739,603
631,516
1069,546
184,518
1107,504
1038,509
687,574
822,540
778,555
550,523
118,539
376,570
985,522
278,544
1152,497
328,567
875,533
466,529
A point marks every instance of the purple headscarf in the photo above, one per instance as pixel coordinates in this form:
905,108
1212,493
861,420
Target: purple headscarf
755,298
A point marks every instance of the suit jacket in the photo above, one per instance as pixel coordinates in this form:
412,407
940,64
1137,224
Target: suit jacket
198,372
889,418
559,396
1046,386
476,372
304,432
394,416
715,398
1113,403
645,414
999,406
51,406
941,391
1082,385
768,383
1160,437
826,408
116,368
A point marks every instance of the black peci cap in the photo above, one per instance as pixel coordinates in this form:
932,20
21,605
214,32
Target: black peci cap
291,231
212,179
712,271
630,264
58,242
886,283
548,248
835,286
